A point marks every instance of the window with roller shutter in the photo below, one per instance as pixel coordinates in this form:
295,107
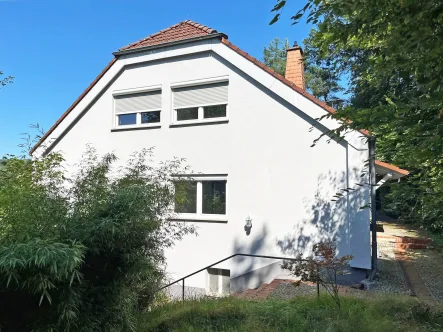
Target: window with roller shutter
200,102
143,108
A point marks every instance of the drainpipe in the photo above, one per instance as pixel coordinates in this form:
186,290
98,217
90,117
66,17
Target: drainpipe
373,187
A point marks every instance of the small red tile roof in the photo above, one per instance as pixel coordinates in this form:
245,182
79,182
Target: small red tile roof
391,167
180,31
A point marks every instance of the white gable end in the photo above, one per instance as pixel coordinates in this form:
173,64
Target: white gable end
211,45
262,147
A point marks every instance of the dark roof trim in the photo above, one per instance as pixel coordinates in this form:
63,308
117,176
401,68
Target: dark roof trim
177,42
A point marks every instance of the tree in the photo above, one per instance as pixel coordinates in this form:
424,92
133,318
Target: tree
392,55
274,56
322,83
83,252
324,268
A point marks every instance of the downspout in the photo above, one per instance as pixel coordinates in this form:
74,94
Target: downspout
373,187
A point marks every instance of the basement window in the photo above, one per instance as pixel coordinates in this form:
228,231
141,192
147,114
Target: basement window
140,109
218,282
200,103
201,198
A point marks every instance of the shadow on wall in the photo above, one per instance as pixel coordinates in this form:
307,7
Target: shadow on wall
322,219
330,218
327,221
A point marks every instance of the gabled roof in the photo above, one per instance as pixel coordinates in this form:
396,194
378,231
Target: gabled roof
187,31
180,31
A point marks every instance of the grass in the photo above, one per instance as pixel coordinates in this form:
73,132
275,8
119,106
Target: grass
300,314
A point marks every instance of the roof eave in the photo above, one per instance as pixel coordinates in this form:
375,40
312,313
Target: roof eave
383,168
217,35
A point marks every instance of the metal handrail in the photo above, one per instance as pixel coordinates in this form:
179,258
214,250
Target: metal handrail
229,257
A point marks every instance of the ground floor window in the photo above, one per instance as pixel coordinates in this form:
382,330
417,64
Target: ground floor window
201,196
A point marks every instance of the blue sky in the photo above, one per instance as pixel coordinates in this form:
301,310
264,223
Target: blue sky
54,48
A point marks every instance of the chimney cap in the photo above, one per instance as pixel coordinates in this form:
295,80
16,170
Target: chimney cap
295,47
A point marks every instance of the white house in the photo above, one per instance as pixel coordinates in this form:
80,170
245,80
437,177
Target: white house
189,92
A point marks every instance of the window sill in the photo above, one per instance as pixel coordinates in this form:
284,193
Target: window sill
138,127
200,218
199,122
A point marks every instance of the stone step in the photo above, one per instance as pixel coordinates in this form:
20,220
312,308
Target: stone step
405,239
262,286
411,246
263,291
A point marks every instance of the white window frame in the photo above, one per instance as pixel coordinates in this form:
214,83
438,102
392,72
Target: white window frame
200,119
199,215
138,113
221,291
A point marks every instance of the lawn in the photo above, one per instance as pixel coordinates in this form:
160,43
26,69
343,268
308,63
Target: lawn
400,313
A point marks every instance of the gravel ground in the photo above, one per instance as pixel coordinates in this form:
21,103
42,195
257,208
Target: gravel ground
397,229
429,264
289,290
389,280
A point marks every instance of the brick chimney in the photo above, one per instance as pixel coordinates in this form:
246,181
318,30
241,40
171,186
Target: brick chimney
295,69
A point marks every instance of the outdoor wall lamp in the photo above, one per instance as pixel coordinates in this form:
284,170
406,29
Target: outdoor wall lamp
248,225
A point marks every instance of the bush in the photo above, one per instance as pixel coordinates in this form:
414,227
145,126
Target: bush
83,253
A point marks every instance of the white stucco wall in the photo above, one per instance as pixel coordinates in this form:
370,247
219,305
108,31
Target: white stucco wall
273,173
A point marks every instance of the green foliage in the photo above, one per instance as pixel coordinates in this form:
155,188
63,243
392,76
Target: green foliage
83,251
322,269
274,56
391,52
320,81
379,314
323,84
5,80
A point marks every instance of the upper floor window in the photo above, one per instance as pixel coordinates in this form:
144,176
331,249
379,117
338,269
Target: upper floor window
138,109
200,103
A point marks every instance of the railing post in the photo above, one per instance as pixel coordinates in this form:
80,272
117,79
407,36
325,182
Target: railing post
318,282
183,291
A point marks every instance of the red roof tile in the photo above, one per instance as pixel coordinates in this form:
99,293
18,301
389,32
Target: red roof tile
391,167
181,31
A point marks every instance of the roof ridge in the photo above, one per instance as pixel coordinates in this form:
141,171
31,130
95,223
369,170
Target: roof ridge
205,28
202,27
152,35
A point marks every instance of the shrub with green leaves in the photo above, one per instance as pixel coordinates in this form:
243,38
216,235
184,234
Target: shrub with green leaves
83,252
